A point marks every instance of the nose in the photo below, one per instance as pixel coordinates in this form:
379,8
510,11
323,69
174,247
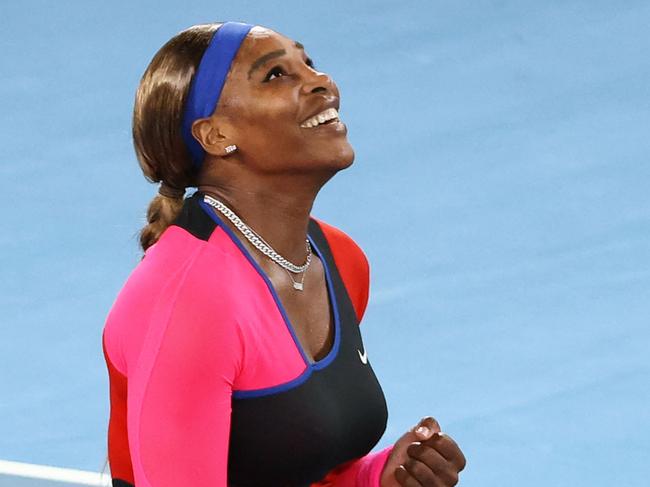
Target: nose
318,82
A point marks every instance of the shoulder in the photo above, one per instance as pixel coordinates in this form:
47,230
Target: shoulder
180,278
351,262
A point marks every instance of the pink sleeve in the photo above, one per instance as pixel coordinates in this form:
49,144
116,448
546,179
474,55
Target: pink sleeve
361,472
179,394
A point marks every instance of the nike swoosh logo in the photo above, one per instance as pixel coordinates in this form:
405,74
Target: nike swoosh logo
364,357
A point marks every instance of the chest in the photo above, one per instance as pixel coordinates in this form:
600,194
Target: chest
309,311
290,430
305,425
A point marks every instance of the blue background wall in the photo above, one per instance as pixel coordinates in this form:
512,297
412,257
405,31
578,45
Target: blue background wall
500,191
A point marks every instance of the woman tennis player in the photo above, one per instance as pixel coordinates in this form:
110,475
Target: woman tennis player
234,350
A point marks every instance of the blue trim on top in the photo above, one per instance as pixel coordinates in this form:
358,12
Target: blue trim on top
310,366
325,361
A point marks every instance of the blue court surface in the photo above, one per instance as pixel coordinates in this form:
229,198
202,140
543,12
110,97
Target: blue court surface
500,191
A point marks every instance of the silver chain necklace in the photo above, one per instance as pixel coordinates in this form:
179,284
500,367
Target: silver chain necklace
261,244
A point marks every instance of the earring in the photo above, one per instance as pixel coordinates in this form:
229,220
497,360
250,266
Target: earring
231,148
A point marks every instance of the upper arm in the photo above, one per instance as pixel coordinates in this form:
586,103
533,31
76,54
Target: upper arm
179,401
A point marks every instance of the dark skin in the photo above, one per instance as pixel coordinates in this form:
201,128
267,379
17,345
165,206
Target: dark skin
271,182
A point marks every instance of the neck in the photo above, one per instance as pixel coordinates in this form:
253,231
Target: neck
276,210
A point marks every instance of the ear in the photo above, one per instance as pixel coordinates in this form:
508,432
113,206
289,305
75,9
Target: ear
211,136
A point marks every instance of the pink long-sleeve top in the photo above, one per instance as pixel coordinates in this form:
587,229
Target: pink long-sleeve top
209,384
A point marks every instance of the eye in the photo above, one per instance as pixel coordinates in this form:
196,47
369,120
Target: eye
310,63
275,70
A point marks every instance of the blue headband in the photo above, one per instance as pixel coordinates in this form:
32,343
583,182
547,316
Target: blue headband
209,79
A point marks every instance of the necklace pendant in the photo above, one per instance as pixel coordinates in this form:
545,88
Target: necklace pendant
297,285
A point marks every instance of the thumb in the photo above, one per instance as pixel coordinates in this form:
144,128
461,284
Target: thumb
399,455
426,427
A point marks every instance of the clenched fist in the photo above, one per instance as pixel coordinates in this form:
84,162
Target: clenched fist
423,457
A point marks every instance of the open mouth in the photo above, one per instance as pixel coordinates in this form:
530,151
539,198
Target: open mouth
328,122
326,117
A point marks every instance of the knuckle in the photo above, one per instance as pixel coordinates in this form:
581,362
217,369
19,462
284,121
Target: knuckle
448,475
400,474
436,463
411,482
453,478
459,459
417,470
415,450
410,465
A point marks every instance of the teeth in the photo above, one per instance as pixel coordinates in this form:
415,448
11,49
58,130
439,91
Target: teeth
321,117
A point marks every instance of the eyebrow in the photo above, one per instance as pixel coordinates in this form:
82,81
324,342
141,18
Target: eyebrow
268,56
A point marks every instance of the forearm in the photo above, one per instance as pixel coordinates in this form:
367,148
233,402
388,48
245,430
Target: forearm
362,472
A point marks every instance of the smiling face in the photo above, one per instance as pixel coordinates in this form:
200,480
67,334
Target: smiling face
267,106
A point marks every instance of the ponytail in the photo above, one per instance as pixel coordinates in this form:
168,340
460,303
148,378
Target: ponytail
162,211
157,119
